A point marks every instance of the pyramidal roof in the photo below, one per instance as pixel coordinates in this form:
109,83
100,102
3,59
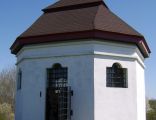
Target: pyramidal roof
69,20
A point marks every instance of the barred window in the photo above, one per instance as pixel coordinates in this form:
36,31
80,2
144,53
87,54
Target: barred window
19,80
116,76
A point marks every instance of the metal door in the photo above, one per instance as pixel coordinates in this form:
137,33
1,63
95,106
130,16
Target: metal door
58,98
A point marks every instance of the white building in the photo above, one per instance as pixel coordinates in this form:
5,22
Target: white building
79,61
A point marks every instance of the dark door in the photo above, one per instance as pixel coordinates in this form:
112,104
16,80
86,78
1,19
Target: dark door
52,104
58,95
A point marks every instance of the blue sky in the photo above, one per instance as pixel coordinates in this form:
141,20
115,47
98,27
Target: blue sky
17,15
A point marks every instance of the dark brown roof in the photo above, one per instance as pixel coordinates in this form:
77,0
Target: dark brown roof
64,3
64,21
77,16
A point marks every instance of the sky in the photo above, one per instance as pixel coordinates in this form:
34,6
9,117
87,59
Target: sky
17,15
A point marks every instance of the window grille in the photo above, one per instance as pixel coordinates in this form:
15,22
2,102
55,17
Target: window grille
58,94
116,76
64,106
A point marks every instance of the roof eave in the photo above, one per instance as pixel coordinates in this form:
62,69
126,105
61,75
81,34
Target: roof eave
73,36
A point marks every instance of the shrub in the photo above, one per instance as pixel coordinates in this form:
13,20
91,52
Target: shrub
6,112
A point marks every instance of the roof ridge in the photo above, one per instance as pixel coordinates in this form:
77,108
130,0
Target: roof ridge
113,20
126,23
94,26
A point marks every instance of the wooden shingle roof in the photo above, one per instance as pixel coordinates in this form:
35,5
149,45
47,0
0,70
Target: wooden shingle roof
79,19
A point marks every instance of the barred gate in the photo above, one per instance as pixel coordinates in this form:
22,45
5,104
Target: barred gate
58,98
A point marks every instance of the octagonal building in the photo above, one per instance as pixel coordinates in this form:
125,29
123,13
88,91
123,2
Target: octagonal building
79,61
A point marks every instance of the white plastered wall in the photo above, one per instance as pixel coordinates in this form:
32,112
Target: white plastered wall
114,103
141,102
119,103
34,60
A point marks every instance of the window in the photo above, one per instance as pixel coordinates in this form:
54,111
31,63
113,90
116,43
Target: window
116,76
57,76
19,80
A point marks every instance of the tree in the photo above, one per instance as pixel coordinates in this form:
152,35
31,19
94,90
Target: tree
151,113
153,104
6,112
7,93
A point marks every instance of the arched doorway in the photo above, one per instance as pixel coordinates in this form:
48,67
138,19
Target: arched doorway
58,97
